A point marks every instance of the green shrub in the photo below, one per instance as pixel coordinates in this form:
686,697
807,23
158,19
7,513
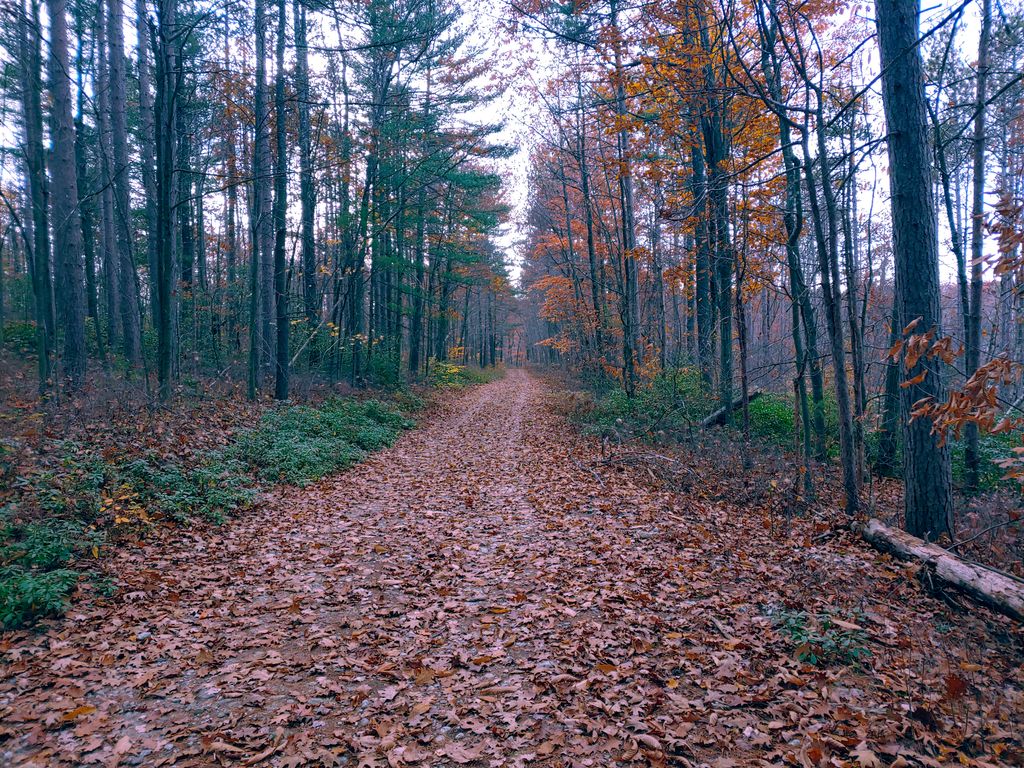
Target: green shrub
75,485
211,491
407,401
295,444
772,418
818,639
33,579
46,544
300,444
27,595
384,369
673,403
991,448
20,336
448,375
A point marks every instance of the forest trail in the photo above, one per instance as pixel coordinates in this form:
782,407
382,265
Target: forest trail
478,595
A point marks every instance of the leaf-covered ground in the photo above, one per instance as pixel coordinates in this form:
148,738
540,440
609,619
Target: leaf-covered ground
486,593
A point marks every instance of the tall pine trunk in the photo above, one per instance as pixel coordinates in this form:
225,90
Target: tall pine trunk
280,209
167,75
147,148
973,356
131,334
310,295
38,190
928,499
67,232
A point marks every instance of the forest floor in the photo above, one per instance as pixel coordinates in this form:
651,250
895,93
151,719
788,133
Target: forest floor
490,591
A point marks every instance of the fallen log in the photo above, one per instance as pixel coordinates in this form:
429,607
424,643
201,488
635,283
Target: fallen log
998,591
718,417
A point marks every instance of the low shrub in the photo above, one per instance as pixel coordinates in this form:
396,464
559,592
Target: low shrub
384,368
447,375
991,448
34,581
670,405
300,444
20,336
45,545
407,401
26,595
56,515
822,638
772,418
211,491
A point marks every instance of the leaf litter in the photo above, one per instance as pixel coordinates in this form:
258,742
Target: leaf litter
477,596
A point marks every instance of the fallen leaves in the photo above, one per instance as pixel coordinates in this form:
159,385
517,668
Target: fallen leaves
390,617
77,712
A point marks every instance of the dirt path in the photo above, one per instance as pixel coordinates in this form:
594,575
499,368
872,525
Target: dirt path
476,595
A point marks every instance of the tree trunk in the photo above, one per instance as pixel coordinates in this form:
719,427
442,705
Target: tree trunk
596,268
35,163
108,236
972,359
888,443
310,294
631,351
942,568
260,219
928,500
705,312
827,248
131,337
147,148
280,208
67,232
718,198
165,123
263,234
86,204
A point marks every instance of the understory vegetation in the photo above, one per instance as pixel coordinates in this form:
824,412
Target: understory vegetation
57,518
671,407
822,638
446,375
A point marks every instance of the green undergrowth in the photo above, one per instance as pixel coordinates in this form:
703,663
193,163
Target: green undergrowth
20,336
672,406
823,639
301,444
57,518
773,419
991,448
448,375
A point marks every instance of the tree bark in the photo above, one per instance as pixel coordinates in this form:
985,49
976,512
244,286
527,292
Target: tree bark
972,359
928,500
108,237
280,208
131,337
991,588
263,235
86,204
38,191
165,123
67,232
147,148
631,351
310,294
